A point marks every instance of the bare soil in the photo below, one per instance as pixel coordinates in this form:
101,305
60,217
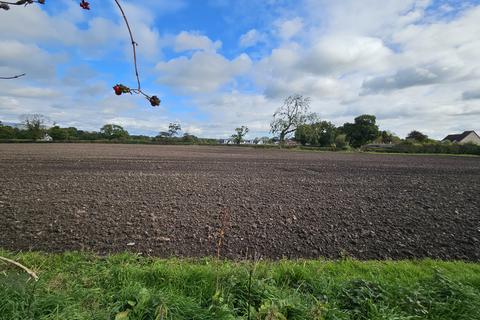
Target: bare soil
173,201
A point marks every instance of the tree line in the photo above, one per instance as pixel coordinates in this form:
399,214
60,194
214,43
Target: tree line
294,117
33,128
293,121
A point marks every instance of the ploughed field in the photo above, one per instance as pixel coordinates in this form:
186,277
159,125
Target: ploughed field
191,201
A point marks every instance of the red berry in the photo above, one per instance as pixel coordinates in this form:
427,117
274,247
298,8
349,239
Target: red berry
85,5
154,101
118,90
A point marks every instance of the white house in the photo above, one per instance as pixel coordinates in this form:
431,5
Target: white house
47,138
466,137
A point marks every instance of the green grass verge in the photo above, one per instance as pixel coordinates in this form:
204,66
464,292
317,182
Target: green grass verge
126,286
422,154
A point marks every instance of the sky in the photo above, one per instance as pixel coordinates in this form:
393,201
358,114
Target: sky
221,64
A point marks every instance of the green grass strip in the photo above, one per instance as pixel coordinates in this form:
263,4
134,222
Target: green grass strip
126,286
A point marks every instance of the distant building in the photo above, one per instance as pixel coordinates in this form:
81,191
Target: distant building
466,137
47,138
223,141
291,143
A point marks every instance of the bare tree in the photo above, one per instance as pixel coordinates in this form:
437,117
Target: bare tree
174,128
291,115
35,125
240,133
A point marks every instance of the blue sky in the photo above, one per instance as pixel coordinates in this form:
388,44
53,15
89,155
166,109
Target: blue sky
220,64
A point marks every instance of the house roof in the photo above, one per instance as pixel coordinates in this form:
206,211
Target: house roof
459,137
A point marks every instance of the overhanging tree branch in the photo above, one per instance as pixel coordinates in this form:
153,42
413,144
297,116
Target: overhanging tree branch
5,5
13,77
134,43
118,88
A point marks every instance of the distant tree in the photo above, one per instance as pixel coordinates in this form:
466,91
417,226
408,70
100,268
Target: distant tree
35,126
320,133
72,133
6,132
57,133
189,138
240,133
174,128
385,137
163,134
388,137
364,130
303,134
341,141
113,131
262,140
326,133
140,138
290,116
417,136
88,135
265,140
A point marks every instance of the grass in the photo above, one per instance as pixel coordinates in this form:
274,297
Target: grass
422,154
126,286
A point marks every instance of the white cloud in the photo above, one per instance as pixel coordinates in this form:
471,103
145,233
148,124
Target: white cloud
339,54
40,27
417,76
252,38
412,67
33,92
163,7
471,94
17,58
367,17
186,41
229,110
287,29
137,123
202,73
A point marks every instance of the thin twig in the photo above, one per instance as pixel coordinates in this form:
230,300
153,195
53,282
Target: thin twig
250,280
30,272
21,3
221,233
13,77
134,49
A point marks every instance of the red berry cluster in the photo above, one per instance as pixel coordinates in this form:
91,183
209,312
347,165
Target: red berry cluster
85,5
120,88
154,101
